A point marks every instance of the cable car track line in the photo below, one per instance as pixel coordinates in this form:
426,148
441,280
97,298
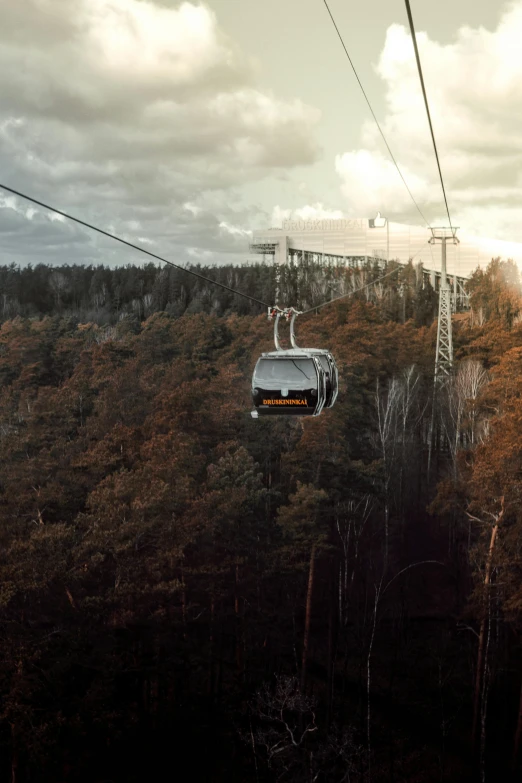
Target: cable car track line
373,115
357,290
233,290
419,68
130,244
176,266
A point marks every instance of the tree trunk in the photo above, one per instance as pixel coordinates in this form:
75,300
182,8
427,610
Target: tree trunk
239,629
14,756
484,700
482,632
386,528
332,644
307,617
518,733
368,679
184,604
211,670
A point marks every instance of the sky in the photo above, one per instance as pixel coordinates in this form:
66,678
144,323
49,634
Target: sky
183,126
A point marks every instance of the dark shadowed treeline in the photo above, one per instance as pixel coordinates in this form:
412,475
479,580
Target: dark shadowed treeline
105,295
185,588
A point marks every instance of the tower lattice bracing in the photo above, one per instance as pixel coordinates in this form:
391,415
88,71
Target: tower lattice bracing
444,353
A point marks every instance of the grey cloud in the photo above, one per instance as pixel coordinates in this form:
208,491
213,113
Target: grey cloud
111,140
39,239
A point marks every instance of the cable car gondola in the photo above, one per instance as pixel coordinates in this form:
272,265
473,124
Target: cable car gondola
295,382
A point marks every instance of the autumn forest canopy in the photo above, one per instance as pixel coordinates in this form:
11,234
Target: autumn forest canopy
185,588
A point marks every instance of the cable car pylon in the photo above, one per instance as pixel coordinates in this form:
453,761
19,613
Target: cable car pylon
444,351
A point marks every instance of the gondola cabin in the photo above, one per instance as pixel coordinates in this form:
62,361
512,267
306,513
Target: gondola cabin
291,383
296,381
332,374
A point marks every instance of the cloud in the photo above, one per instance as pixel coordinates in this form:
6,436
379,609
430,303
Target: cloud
371,181
38,237
234,230
201,256
137,111
192,208
474,88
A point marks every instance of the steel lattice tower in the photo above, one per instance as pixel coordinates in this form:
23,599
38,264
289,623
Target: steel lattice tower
444,354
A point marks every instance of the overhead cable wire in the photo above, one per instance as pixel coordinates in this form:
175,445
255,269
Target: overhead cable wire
362,288
130,244
176,266
414,39
182,269
356,291
373,114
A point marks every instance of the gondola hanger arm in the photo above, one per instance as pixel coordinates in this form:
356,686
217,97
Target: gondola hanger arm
290,314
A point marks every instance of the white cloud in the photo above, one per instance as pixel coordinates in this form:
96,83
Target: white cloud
192,208
474,88
234,230
136,40
371,181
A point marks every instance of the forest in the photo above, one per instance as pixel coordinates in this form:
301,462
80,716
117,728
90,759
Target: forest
190,594
106,295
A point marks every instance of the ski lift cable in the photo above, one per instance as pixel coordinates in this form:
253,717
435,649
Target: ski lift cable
419,68
232,290
129,244
176,266
374,117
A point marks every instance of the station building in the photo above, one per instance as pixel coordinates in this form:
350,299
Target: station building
352,242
